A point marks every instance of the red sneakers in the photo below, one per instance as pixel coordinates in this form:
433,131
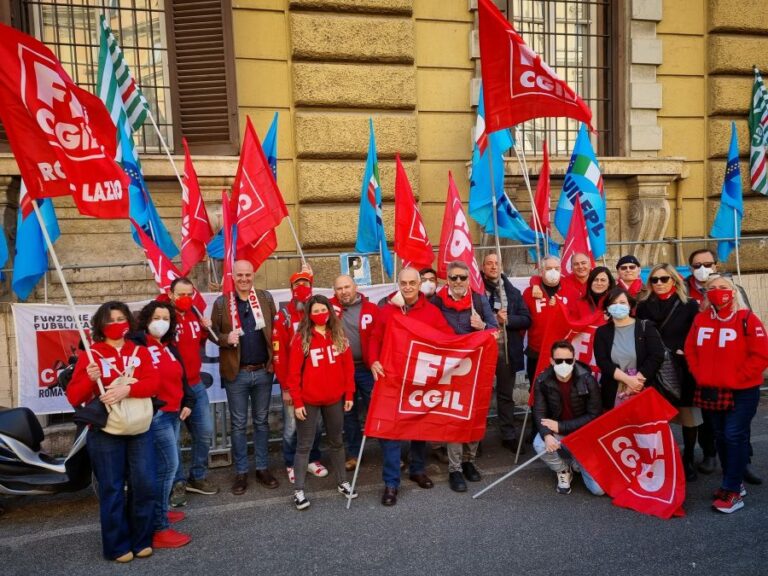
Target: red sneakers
175,516
169,538
728,502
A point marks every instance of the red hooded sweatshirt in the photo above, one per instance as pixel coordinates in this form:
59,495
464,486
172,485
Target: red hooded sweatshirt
169,370
727,353
322,377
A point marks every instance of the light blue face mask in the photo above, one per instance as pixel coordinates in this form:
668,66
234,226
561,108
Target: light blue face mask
618,311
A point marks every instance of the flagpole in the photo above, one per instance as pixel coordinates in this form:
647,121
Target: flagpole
498,242
357,470
165,146
296,239
537,225
736,234
381,263
507,475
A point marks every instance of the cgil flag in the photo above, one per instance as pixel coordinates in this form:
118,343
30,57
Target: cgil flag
727,222
543,195
577,239
31,260
758,135
61,135
584,180
195,225
411,241
370,227
519,85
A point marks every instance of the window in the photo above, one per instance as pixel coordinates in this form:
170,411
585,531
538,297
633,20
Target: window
178,51
575,37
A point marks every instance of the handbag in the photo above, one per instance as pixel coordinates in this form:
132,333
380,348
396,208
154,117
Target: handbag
130,416
669,380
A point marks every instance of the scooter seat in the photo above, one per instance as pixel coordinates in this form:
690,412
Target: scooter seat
22,425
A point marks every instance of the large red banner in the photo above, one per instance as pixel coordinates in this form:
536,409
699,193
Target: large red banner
436,387
631,452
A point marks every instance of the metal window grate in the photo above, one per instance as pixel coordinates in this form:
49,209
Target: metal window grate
70,28
574,38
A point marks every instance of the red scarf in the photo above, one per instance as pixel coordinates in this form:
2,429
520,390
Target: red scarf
634,288
464,303
668,295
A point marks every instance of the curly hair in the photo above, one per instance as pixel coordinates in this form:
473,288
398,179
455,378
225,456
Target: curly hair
145,317
334,325
102,317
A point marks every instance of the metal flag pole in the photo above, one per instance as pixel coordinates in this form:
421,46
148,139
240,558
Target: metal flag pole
736,234
357,470
522,430
507,475
498,242
296,239
537,225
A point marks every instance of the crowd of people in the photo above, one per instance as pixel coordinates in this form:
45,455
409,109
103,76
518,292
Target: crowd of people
326,355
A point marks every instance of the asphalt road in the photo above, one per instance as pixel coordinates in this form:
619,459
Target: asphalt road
520,527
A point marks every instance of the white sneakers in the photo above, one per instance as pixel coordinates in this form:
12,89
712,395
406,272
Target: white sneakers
564,478
346,490
291,474
317,469
300,500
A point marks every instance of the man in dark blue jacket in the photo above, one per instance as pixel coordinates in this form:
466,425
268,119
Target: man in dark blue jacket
512,314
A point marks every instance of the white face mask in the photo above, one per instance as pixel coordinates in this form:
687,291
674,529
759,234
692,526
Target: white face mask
158,328
552,277
702,274
428,287
398,299
563,370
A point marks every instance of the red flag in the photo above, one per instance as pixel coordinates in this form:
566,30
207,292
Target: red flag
61,135
257,252
517,84
260,206
227,280
543,194
632,454
411,242
437,387
195,227
162,268
577,239
455,239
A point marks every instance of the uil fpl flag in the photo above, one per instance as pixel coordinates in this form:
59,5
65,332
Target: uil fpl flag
632,454
436,387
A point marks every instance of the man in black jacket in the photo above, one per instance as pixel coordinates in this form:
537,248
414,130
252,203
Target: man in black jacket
513,316
566,397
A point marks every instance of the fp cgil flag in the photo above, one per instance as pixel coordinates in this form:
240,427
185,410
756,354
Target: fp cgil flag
436,387
61,135
411,242
518,84
632,454
455,239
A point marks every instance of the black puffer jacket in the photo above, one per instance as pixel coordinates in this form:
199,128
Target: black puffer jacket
585,400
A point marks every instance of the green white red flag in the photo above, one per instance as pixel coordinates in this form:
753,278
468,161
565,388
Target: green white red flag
758,135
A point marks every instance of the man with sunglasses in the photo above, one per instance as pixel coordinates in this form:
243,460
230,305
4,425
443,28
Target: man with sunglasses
566,397
466,312
628,268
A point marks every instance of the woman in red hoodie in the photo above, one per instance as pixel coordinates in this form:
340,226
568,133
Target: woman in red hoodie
727,352
126,527
320,379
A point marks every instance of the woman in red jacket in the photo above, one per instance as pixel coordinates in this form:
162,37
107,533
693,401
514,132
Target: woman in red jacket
126,528
727,352
320,379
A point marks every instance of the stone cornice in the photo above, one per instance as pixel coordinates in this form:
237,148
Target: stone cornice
670,168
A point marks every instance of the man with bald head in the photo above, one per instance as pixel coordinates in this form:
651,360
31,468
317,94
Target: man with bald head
358,315
408,301
245,364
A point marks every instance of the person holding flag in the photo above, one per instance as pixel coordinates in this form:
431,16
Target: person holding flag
727,352
466,311
566,397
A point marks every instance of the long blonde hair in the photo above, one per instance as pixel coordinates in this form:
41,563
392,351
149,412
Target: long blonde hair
677,280
737,298
334,326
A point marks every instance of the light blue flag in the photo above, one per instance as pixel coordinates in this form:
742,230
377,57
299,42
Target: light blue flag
584,179
727,222
216,244
3,252
370,228
511,223
31,261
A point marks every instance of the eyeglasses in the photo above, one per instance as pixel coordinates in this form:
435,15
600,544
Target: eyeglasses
627,267
563,360
457,277
662,279
700,264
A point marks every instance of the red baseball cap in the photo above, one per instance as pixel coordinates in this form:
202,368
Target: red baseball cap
303,275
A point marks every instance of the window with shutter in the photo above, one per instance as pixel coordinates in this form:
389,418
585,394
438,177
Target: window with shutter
204,73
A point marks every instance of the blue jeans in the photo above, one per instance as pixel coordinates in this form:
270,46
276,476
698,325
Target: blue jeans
390,451
353,420
732,436
556,461
127,519
200,426
254,388
290,439
165,431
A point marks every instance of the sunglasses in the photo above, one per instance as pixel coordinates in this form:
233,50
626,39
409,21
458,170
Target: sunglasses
563,360
662,279
627,267
457,277
700,264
